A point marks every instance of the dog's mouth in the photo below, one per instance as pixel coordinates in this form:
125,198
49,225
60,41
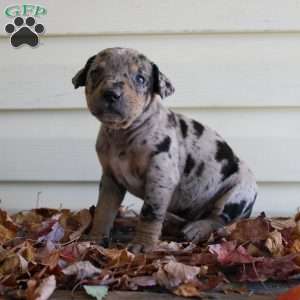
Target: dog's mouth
111,119
111,114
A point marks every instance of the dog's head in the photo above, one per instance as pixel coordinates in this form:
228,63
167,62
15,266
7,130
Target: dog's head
119,84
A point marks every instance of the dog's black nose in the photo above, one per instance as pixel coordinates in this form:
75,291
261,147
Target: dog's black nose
111,95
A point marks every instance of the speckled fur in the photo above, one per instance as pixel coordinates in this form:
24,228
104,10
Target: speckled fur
175,164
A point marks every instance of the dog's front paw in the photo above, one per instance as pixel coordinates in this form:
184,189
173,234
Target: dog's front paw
100,240
200,231
136,248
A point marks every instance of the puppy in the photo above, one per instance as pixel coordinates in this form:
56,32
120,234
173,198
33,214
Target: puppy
176,165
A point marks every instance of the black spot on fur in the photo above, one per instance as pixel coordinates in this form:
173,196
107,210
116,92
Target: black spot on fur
163,146
224,152
130,140
142,57
200,169
233,210
255,196
172,120
104,54
122,153
189,165
147,105
248,210
199,128
184,213
150,212
183,127
144,142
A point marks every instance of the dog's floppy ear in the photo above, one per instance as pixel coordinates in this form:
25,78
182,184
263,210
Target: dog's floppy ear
161,84
80,78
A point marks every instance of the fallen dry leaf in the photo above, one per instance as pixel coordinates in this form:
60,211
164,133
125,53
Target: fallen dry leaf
297,229
6,234
51,260
168,246
28,219
82,270
282,223
84,218
264,268
182,271
254,250
72,251
7,221
297,216
118,257
31,288
10,265
98,292
195,287
291,294
274,243
228,253
23,264
235,288
252,230
51,231
295,248
174,273
187,290
28,251
144,281
46,288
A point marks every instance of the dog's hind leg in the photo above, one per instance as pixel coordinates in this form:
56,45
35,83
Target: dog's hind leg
236,203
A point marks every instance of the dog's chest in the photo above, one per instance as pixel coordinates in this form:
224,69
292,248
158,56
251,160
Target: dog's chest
129,169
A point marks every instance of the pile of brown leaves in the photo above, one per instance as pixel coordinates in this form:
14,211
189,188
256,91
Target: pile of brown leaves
40,251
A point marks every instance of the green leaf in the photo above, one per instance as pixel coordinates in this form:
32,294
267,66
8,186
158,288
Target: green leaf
97,291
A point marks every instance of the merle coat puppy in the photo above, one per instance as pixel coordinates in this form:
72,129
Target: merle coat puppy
176,165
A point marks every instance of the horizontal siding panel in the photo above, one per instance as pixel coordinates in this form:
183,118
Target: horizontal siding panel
206,70
38,142
172,16
19,196
276,123
280,199
74,159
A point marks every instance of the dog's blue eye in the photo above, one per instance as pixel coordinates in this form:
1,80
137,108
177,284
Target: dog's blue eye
140,79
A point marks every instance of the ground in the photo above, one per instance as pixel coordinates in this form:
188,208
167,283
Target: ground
42,251
257,291
64,295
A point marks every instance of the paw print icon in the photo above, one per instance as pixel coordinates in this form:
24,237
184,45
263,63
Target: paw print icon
24,32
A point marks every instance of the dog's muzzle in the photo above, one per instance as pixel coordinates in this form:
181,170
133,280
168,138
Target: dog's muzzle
111,96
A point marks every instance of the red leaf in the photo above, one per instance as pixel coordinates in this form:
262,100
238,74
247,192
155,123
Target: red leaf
229,254
291,294
279,268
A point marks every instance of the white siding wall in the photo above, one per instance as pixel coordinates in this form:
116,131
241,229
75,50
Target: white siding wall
235,65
